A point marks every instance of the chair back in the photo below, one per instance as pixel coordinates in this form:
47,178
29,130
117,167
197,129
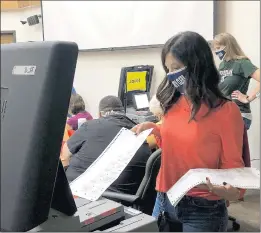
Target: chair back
146,189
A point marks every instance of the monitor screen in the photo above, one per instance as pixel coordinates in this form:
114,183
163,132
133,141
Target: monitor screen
36,85
141,101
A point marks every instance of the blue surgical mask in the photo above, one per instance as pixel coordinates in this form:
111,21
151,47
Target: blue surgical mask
221,53
178,79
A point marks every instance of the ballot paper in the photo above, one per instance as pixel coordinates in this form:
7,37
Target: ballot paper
245,178
109,165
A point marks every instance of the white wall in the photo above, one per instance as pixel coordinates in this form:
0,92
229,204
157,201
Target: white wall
98,73
11,21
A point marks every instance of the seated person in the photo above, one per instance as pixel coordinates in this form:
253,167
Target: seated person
73,93
157,111
92,138
66,136
77,108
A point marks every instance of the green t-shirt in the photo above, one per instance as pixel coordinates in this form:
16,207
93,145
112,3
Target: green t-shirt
235,75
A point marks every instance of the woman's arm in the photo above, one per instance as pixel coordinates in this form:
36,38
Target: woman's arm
73,145
152,141
65,155
146,125
231,133
253,94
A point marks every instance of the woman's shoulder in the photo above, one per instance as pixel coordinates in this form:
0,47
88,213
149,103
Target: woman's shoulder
242,61
221,65
229,111
88,115
71,119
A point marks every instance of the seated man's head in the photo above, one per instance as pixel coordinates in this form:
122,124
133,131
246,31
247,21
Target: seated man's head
155,107
110,105
77,104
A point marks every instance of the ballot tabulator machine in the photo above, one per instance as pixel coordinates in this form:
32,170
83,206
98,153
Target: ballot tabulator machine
36,85
134,92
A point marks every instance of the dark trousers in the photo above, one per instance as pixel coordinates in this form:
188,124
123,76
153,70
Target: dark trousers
247,123
196,214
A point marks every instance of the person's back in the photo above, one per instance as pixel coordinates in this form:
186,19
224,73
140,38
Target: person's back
89,142
75,119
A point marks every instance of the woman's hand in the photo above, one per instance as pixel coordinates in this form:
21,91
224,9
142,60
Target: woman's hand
240,97
227,191
144,126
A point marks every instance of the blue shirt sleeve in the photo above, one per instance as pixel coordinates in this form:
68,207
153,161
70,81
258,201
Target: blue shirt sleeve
73,91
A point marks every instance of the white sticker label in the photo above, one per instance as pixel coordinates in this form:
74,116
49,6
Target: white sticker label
24,70
133,211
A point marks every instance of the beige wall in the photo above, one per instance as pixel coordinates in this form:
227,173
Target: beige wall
241,18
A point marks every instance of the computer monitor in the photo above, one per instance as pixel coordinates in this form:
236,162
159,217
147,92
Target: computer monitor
134,80
36,87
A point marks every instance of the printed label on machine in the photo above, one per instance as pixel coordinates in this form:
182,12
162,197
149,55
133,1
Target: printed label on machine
136,81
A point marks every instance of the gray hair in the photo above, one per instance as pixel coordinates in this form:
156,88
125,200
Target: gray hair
155,107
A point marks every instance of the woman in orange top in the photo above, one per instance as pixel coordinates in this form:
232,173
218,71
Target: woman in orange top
201,129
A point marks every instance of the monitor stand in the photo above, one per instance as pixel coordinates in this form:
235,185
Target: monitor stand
89,217
74,214
62,199
70,213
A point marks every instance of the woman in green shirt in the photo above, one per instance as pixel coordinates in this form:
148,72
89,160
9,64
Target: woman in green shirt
236,70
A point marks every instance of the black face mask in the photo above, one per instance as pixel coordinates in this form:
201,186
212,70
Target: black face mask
178,79
221,54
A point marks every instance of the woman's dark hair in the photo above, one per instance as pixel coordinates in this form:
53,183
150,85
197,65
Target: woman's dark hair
202,77
77,104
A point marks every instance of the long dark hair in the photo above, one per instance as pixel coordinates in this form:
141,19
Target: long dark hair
202,77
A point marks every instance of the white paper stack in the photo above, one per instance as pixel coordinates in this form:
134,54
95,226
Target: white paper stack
246,178
109,165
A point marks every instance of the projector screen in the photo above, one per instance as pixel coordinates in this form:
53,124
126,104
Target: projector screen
112,24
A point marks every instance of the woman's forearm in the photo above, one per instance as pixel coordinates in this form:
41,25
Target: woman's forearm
254,94
155,130
65,155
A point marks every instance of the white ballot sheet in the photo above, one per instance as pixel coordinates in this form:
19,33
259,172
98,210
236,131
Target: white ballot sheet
246,178
109,165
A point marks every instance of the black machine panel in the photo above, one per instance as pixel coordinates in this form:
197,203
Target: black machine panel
36,87
134,80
